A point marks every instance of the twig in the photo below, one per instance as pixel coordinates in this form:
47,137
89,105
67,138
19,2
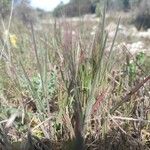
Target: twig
130,119
128,96
113,119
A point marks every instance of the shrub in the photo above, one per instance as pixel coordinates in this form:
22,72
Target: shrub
75,9
142,20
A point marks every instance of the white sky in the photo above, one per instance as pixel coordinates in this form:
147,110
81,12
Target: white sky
47,5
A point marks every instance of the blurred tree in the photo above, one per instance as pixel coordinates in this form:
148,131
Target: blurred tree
75,8
126,5
25,12
4,7
40,12
59,10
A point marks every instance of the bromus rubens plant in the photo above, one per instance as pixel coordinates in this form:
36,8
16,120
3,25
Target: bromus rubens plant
62,87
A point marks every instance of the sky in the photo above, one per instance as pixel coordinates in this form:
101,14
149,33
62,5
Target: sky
47,5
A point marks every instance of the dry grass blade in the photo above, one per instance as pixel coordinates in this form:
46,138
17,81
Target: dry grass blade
130,119
37,57
98,102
